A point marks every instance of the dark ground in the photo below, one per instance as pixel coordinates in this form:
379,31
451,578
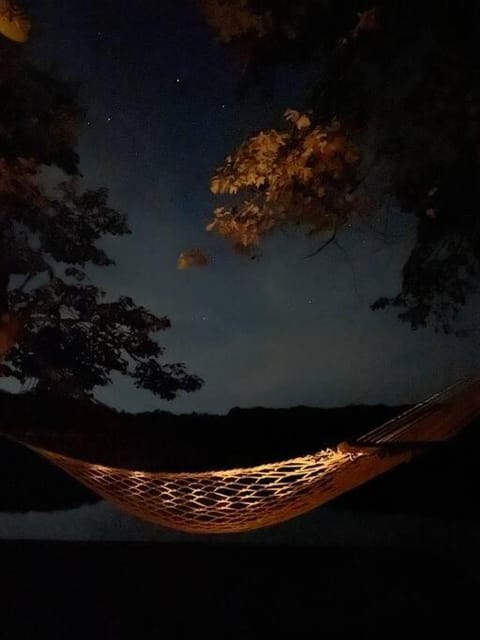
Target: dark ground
143,591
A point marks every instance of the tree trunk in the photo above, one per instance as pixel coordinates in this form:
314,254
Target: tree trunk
4,280
9,324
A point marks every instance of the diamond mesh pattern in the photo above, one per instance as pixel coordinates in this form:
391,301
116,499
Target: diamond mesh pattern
227,501
248,498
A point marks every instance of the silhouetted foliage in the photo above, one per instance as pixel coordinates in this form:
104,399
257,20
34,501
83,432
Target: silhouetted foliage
56,327
402,80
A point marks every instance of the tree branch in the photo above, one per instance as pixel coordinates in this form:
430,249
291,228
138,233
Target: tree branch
322,247
326,243
29,277
368,169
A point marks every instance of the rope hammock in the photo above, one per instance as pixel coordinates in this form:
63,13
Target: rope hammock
243,499
14,23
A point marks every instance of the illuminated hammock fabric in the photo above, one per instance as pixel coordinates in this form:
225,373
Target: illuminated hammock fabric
236,500
14,23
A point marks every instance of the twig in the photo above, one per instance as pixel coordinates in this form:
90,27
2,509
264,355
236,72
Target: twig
322,247
29,277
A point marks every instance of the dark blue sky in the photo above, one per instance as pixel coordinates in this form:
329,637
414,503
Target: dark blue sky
275,332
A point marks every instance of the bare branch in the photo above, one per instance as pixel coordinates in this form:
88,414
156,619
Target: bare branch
322,247
326,243
29,277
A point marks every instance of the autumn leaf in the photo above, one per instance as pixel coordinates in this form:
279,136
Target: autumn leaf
299,176
191,258
300,120
233,19
14,23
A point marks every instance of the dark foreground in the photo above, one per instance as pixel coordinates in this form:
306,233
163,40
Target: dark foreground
115,591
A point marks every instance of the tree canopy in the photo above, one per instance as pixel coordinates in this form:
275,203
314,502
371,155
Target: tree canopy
396,88
58,328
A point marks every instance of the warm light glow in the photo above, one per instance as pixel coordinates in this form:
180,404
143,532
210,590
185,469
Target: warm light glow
248,498
14,23
214,501
191,258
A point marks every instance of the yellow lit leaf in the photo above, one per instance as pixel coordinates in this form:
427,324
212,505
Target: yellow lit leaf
299,176
191,258
291,115
14,23
303,122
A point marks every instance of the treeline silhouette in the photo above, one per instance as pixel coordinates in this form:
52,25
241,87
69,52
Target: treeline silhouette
162,441
441,482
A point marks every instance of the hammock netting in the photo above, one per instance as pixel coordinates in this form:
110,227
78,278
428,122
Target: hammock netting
234,500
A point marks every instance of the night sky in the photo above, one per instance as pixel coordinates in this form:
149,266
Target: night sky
279,331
